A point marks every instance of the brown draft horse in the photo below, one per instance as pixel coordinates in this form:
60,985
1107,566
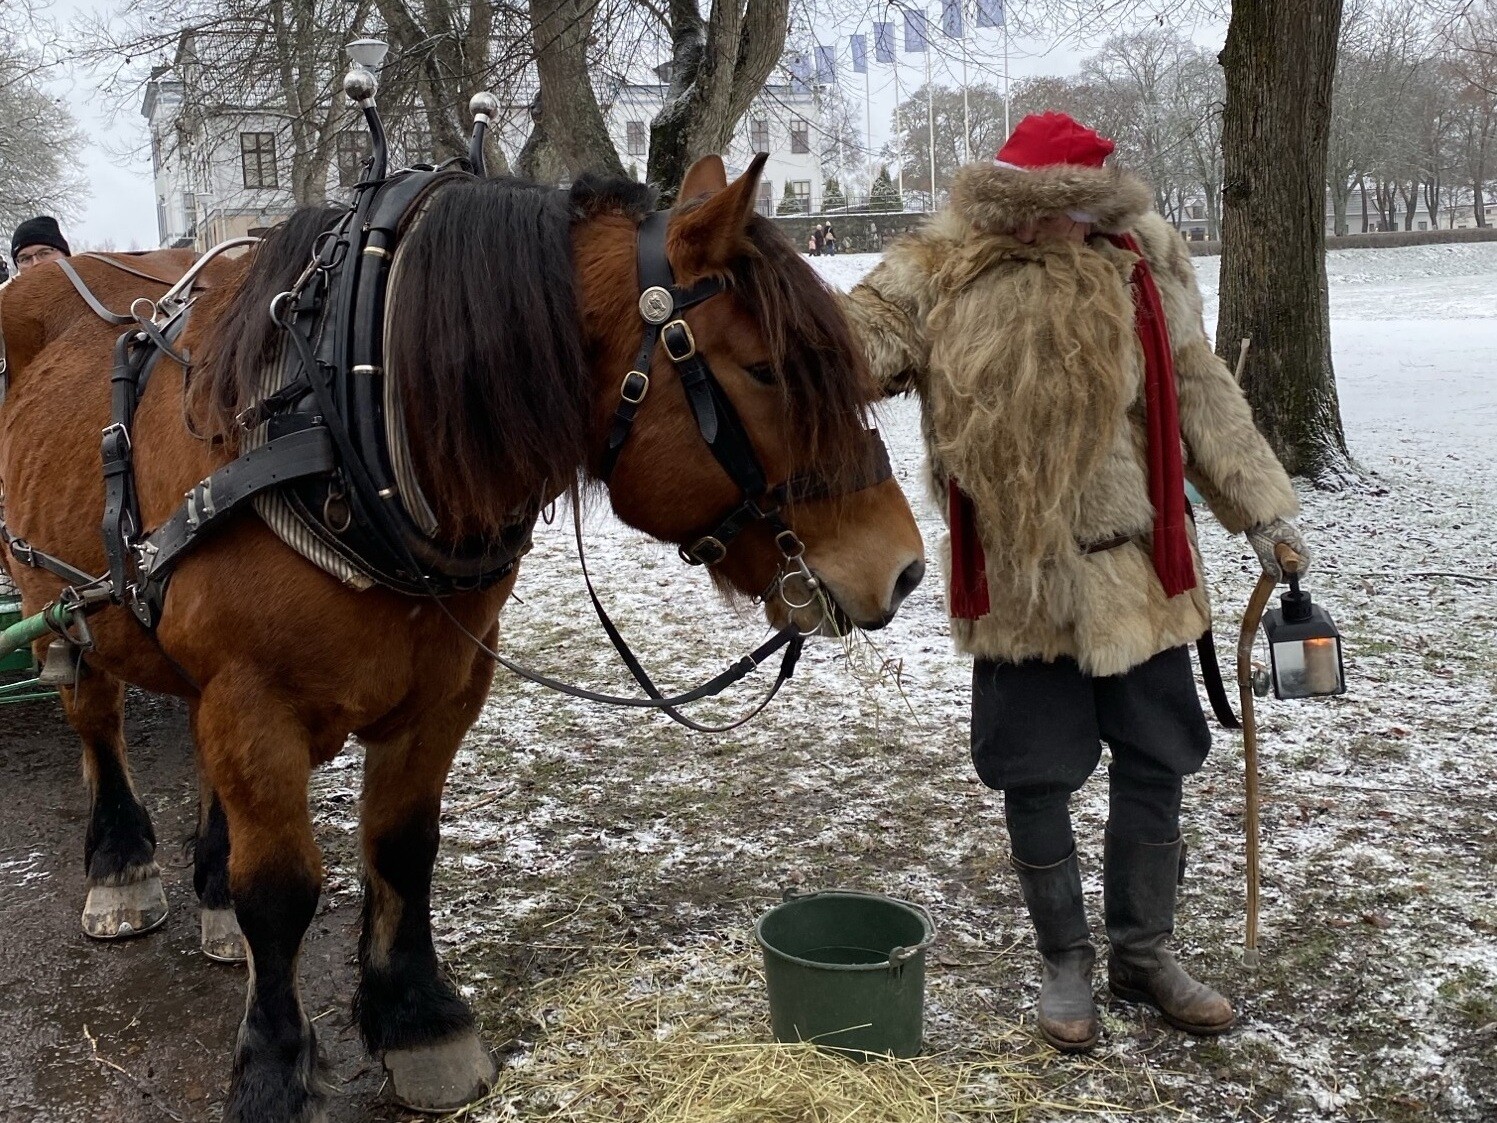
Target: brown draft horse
517,305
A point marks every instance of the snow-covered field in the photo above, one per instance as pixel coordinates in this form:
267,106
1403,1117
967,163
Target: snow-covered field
574,830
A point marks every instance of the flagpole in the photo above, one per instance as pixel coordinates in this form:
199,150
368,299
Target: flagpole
1006,129
930,118
966,107
898,136
868,112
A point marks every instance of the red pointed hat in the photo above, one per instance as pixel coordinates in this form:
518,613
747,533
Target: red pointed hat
1045,140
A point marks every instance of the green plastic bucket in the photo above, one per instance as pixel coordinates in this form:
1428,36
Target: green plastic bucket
846,970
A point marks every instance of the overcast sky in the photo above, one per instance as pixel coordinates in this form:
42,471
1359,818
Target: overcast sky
121,208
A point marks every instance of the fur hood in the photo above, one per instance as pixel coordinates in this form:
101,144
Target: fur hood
996,200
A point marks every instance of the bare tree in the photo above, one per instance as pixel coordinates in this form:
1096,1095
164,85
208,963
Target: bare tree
1472,41
911,122
38,138
718,66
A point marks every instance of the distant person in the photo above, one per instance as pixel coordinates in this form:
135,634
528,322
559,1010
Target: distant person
829,240
815,242
38,240
875,240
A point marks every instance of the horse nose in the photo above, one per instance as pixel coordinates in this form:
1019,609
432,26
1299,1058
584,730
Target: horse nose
906,582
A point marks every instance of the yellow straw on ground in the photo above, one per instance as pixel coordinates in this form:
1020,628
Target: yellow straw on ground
683,1037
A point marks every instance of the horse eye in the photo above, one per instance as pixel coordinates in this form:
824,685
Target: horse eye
761,372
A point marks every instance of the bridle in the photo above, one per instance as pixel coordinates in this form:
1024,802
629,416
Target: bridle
661,306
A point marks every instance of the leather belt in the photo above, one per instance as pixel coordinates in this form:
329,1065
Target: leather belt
1101,547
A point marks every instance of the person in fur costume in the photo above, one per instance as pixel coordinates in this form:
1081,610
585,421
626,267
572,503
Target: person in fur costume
1051,326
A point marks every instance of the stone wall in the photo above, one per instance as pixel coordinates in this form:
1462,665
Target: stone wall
855,236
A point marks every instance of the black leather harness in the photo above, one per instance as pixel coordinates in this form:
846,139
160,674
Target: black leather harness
327,450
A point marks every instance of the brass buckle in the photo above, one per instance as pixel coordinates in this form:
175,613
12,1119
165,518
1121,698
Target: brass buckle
691,341
705,551
635,378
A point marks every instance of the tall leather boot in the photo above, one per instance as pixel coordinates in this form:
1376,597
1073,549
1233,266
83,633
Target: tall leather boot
1138,882
1067,1012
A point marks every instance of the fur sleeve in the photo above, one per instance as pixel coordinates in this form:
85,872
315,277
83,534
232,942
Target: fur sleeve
887,310
1227,459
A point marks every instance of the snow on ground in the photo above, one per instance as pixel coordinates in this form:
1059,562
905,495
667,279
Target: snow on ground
572,830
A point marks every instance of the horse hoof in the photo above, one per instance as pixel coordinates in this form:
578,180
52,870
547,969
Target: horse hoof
441,1077
223,942
118,912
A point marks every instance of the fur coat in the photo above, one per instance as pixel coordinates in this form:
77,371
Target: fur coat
1030,376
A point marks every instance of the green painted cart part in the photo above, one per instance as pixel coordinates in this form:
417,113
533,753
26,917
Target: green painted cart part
846,970
16,637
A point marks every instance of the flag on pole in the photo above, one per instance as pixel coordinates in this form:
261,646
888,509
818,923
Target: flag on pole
826,65
989,13
883,42
951,19
916,34
800,73
859,54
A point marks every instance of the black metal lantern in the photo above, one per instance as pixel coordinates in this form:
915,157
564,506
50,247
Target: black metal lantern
1304,647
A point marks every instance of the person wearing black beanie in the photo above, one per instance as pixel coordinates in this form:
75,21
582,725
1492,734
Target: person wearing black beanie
37,240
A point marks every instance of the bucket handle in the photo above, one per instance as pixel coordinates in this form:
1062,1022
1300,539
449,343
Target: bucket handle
900,955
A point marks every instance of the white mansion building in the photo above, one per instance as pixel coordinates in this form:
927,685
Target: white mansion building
227,173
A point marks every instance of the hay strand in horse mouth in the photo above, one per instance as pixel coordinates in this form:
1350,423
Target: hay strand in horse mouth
682,1036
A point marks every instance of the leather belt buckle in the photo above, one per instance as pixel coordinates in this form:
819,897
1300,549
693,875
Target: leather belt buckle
706,551
635,386
691,342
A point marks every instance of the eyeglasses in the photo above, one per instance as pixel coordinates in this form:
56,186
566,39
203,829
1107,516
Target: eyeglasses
27,258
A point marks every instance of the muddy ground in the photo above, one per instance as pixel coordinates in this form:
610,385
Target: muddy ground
161,1017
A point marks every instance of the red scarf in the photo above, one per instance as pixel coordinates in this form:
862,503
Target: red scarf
1173,563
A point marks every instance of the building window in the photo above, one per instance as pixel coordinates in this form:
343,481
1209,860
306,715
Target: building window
759,134
766,197
257,153
1423,225
638,138
801,189
1197,210
353,150
800,136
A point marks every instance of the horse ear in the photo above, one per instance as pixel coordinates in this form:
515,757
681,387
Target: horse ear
704,177
711,235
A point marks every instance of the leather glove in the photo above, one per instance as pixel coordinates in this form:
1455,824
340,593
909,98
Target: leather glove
1264,538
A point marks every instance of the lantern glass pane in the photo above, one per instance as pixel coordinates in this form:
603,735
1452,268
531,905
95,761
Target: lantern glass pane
1307,668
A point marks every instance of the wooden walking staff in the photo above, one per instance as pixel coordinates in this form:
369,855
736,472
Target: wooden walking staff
1289,562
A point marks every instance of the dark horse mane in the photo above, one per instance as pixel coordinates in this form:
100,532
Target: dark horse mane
484,325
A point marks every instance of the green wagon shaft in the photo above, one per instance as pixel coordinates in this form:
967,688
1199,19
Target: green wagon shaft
18,668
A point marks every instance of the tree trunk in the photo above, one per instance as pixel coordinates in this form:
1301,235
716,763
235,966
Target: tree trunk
1478,204
573,122
717,69
1279,60
1431,189
1362,186
1338,209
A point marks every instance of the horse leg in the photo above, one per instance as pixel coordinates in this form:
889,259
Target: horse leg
222,941
409,1013
257,757
125,895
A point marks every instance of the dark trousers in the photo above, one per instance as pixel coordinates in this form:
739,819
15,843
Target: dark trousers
1037,733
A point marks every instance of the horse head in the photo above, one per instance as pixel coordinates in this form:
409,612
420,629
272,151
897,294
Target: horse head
784,369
